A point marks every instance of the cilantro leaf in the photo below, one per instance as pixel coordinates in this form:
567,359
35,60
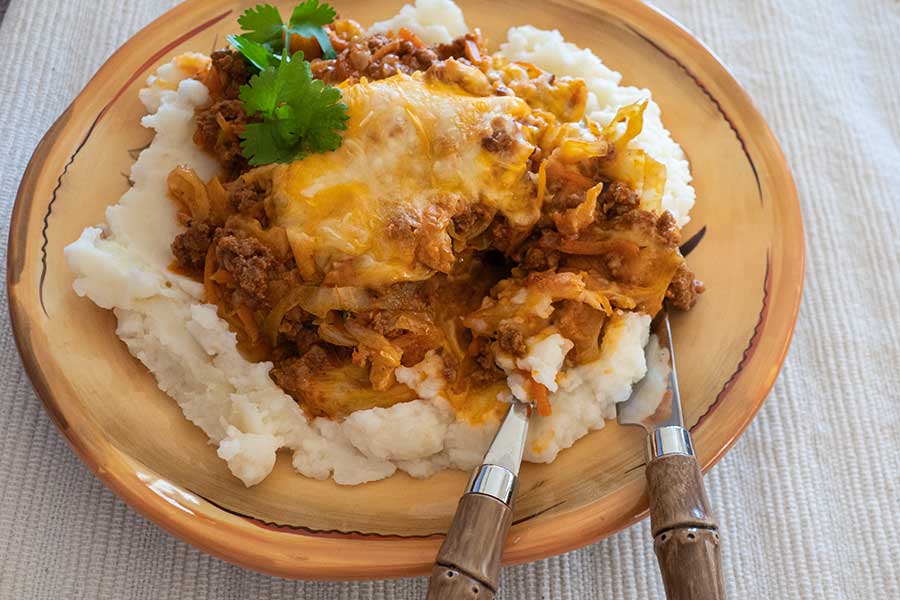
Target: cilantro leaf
261,93
258,55
263,144
313,13
262,23
300,115
307,30
265,33
309,18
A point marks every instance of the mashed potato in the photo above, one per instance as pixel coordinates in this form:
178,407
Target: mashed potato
123,266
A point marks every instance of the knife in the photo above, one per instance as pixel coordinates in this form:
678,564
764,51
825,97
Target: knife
685,534
468,562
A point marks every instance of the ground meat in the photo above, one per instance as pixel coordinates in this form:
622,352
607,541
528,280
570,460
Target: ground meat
295,374
434,248
224,144
565,202
505,237
385,323
373,57
414,333
537,258
467,47
662,225
481,351
483,377
248,198
472,372
498,141
667,229
502,131
472,220
485,369
684,289
308,368
232,72
190,247
582,325
249,261
297,328
401,227
511,340
616,199
405,295
615,264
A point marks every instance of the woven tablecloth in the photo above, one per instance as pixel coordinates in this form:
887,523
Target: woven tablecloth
808,498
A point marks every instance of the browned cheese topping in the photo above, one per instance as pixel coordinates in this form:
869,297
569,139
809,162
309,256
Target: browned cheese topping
480,213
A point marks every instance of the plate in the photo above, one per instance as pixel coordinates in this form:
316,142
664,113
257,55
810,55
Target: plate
134,438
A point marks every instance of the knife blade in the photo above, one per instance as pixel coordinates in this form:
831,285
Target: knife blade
508,445
686,536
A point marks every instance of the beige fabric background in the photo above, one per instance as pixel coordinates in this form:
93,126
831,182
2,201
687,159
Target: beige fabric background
809,496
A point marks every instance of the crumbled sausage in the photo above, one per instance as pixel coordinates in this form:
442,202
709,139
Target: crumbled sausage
250,262
461,48
401,227
486,370
471,245
434,247
297,327
662,225
225,144
667,229
374,57
294,374
617,199
684,289
473,219
498,141
191,246
510,339
537,258
249,198
231,70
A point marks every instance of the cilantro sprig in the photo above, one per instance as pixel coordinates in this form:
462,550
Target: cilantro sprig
298,115
292,114
266,35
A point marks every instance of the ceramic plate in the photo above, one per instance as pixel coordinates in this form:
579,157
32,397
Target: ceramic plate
730,347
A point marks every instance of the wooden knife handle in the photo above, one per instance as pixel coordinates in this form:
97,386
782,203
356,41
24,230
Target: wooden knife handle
468,563
686,536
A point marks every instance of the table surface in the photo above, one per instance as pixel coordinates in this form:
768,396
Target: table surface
807,498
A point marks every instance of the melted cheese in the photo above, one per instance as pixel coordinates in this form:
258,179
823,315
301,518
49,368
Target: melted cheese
413,143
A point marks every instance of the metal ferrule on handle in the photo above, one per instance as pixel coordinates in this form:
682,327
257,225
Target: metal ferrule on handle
668,441
495,481
467,566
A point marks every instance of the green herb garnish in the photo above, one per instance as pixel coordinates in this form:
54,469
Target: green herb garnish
300,115
266,35
257,54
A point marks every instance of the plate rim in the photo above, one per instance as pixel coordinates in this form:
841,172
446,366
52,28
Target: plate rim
239,541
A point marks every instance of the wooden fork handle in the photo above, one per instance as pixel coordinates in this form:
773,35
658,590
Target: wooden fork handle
686,536
468,563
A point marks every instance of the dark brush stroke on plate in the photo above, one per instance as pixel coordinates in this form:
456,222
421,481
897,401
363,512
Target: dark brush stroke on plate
351,534
309,531
713,99
751,345
691,244
148,63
